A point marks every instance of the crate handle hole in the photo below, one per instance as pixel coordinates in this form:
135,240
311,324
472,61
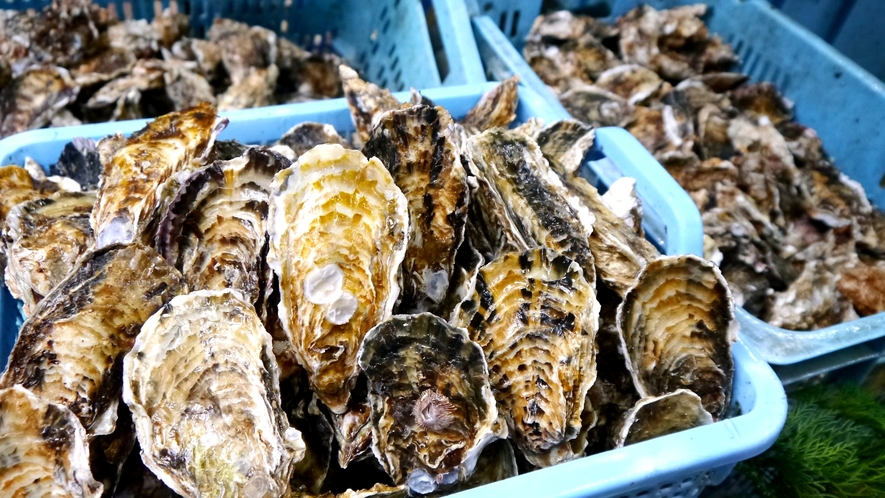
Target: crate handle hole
502,23
514,22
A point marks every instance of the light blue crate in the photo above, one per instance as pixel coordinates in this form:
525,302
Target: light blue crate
676,465
388,41
833,95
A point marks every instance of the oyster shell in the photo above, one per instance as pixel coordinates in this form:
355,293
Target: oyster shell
305,136
205,53
366,101
44,240
214,229
864,285
128,202
80,161
677,326
338,235
243,47
43,448
34,97
203,387
185,86
70,350
417,149
624,202
659,416
256,89
597,107
19,186
630,81
564,144
432,407
496,108
103,67
534,196
311,471
535,317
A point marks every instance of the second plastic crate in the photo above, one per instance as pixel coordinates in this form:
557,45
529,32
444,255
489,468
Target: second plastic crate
394,43
833,95
679,465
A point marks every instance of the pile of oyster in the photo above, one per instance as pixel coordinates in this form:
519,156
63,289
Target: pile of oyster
797,240
426,306
75,62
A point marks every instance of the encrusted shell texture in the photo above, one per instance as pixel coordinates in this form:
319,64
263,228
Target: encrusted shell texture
677,325
536,317
659,416
432,406
70,351
416,147
203,387
338,234
43,449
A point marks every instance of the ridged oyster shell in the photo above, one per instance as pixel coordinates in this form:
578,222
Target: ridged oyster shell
677,325
43,449
44,240
214,229
536,317
129,196
496,108
659,416
432,407
339,230
203,387
416,147
70,351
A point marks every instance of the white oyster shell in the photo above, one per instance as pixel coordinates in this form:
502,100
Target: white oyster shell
203,387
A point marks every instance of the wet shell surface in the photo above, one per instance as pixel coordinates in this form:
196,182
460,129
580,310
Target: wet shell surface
535,317
496,108
416,147
661,415
70,350
214,229
432,407
677,326
32,99
44,240
203,387
128,196
305,136
338,234
367,101
43,449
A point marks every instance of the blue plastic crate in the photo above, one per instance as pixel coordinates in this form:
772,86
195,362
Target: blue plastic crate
676,465
833,95
386,40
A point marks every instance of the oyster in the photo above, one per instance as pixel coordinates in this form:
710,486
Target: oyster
305,136
366,101
417,149
564,144
629,81
535,317
622,199
536,200
864,285
203,387
205,53
254,90
185,86
496,108
34,97
432,407
243,47
44,240
43,448
311,471
762,100
339,230
659,416
677,326
70,350
214,229
128,202
80,161
103,67
597,107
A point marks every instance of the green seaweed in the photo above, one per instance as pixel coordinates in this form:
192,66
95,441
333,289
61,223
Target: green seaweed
832,445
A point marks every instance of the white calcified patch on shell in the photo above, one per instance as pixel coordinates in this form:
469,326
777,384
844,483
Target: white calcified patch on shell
496,108
70,350
367,101
203,387
305,136
415,145
660,416
622,199
677,326
533,198
44,240
214,229
432,407
33,98
129,200
43,449
564,144
335,212
536,317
